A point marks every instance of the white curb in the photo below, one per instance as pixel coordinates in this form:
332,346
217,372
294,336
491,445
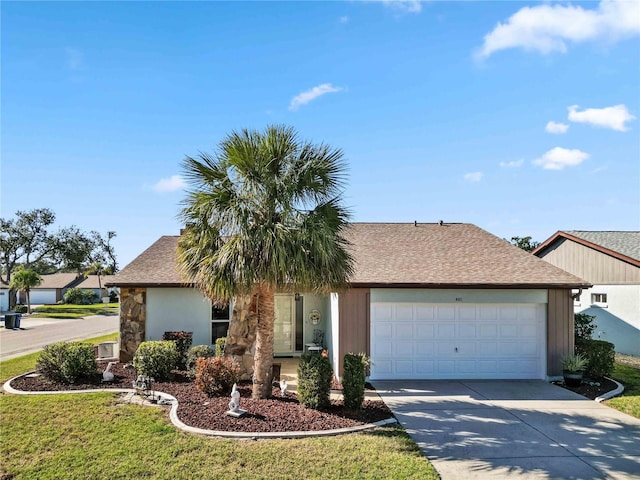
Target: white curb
173,416
613,393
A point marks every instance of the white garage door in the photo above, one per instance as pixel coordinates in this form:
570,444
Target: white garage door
41,296
448,341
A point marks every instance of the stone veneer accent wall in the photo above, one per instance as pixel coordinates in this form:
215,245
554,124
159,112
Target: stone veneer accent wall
133,318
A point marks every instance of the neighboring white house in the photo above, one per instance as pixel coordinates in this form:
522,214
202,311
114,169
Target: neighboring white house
425,301
611,262
4,296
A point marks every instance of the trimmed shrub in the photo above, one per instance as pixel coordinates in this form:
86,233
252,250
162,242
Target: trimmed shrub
67,362
314,381
220,344
183,342
156,359
353,380
583,329
215,376
199,351
79,296
20,309
601,358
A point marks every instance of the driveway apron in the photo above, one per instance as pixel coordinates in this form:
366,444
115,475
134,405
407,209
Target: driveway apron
485,429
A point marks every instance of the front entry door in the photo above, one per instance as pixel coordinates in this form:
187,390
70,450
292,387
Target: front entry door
284,324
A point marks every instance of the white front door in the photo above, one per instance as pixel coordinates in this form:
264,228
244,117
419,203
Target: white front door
447,341
284,324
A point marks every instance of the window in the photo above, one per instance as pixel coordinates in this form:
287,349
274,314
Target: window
219,322
598,298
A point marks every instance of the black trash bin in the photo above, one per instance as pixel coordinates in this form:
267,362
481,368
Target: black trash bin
9,320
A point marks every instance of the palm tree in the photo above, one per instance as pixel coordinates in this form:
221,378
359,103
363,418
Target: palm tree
25,279
96,268
263,215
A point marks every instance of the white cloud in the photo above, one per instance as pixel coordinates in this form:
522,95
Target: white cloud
557,128
171,184
74,58
609,117
407,6
343,19
557,158
473,176
311,94
512,164
548,28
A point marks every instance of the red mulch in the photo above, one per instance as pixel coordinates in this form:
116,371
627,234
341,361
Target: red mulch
278,414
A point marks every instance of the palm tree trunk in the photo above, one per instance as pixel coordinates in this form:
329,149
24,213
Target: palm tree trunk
264,343
28,301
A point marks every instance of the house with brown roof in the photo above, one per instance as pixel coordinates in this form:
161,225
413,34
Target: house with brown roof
426,301
52,288
610,260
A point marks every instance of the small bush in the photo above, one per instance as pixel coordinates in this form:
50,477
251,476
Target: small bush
156,359
314,381
601,358
183,342
353,380
20,309
67,362
583,329
113,296
220,344
215,376
79,296
199,351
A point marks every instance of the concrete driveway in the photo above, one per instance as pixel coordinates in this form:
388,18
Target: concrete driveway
514,429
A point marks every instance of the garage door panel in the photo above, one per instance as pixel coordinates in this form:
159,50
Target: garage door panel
458,341
404,330
425,331
424,313
467,330
404,313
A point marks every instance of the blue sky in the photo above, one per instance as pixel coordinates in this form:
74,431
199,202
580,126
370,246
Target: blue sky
519,117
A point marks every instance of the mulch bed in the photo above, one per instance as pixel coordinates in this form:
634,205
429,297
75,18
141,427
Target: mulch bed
591,388
196,409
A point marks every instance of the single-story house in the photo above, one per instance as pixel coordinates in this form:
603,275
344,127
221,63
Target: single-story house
91,282
426,301
52,288
611,262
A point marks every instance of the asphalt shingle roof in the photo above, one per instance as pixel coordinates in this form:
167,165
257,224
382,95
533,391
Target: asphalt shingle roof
454,254
58,280
626,243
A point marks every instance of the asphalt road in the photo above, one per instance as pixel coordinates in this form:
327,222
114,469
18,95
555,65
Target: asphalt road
35,333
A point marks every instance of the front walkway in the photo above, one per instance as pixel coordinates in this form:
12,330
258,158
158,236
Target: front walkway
514,429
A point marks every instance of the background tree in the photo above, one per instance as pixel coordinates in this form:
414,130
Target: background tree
525,243
263,215
107,254
96,268
24,280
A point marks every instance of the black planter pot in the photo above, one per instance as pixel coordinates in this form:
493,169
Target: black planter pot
572,379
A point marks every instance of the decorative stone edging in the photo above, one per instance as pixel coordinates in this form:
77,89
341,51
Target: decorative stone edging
613,393
173,416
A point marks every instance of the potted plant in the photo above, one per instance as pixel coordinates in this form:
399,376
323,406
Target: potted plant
572,369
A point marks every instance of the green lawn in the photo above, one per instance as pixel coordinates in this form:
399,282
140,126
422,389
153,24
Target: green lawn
91,436
74,311
629,401
16,366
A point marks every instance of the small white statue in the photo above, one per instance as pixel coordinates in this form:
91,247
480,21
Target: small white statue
107,376
283,387
234,404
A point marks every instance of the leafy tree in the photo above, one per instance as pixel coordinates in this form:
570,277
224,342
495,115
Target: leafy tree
25,239
73,249
105,251
25,279
525,243
264,214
